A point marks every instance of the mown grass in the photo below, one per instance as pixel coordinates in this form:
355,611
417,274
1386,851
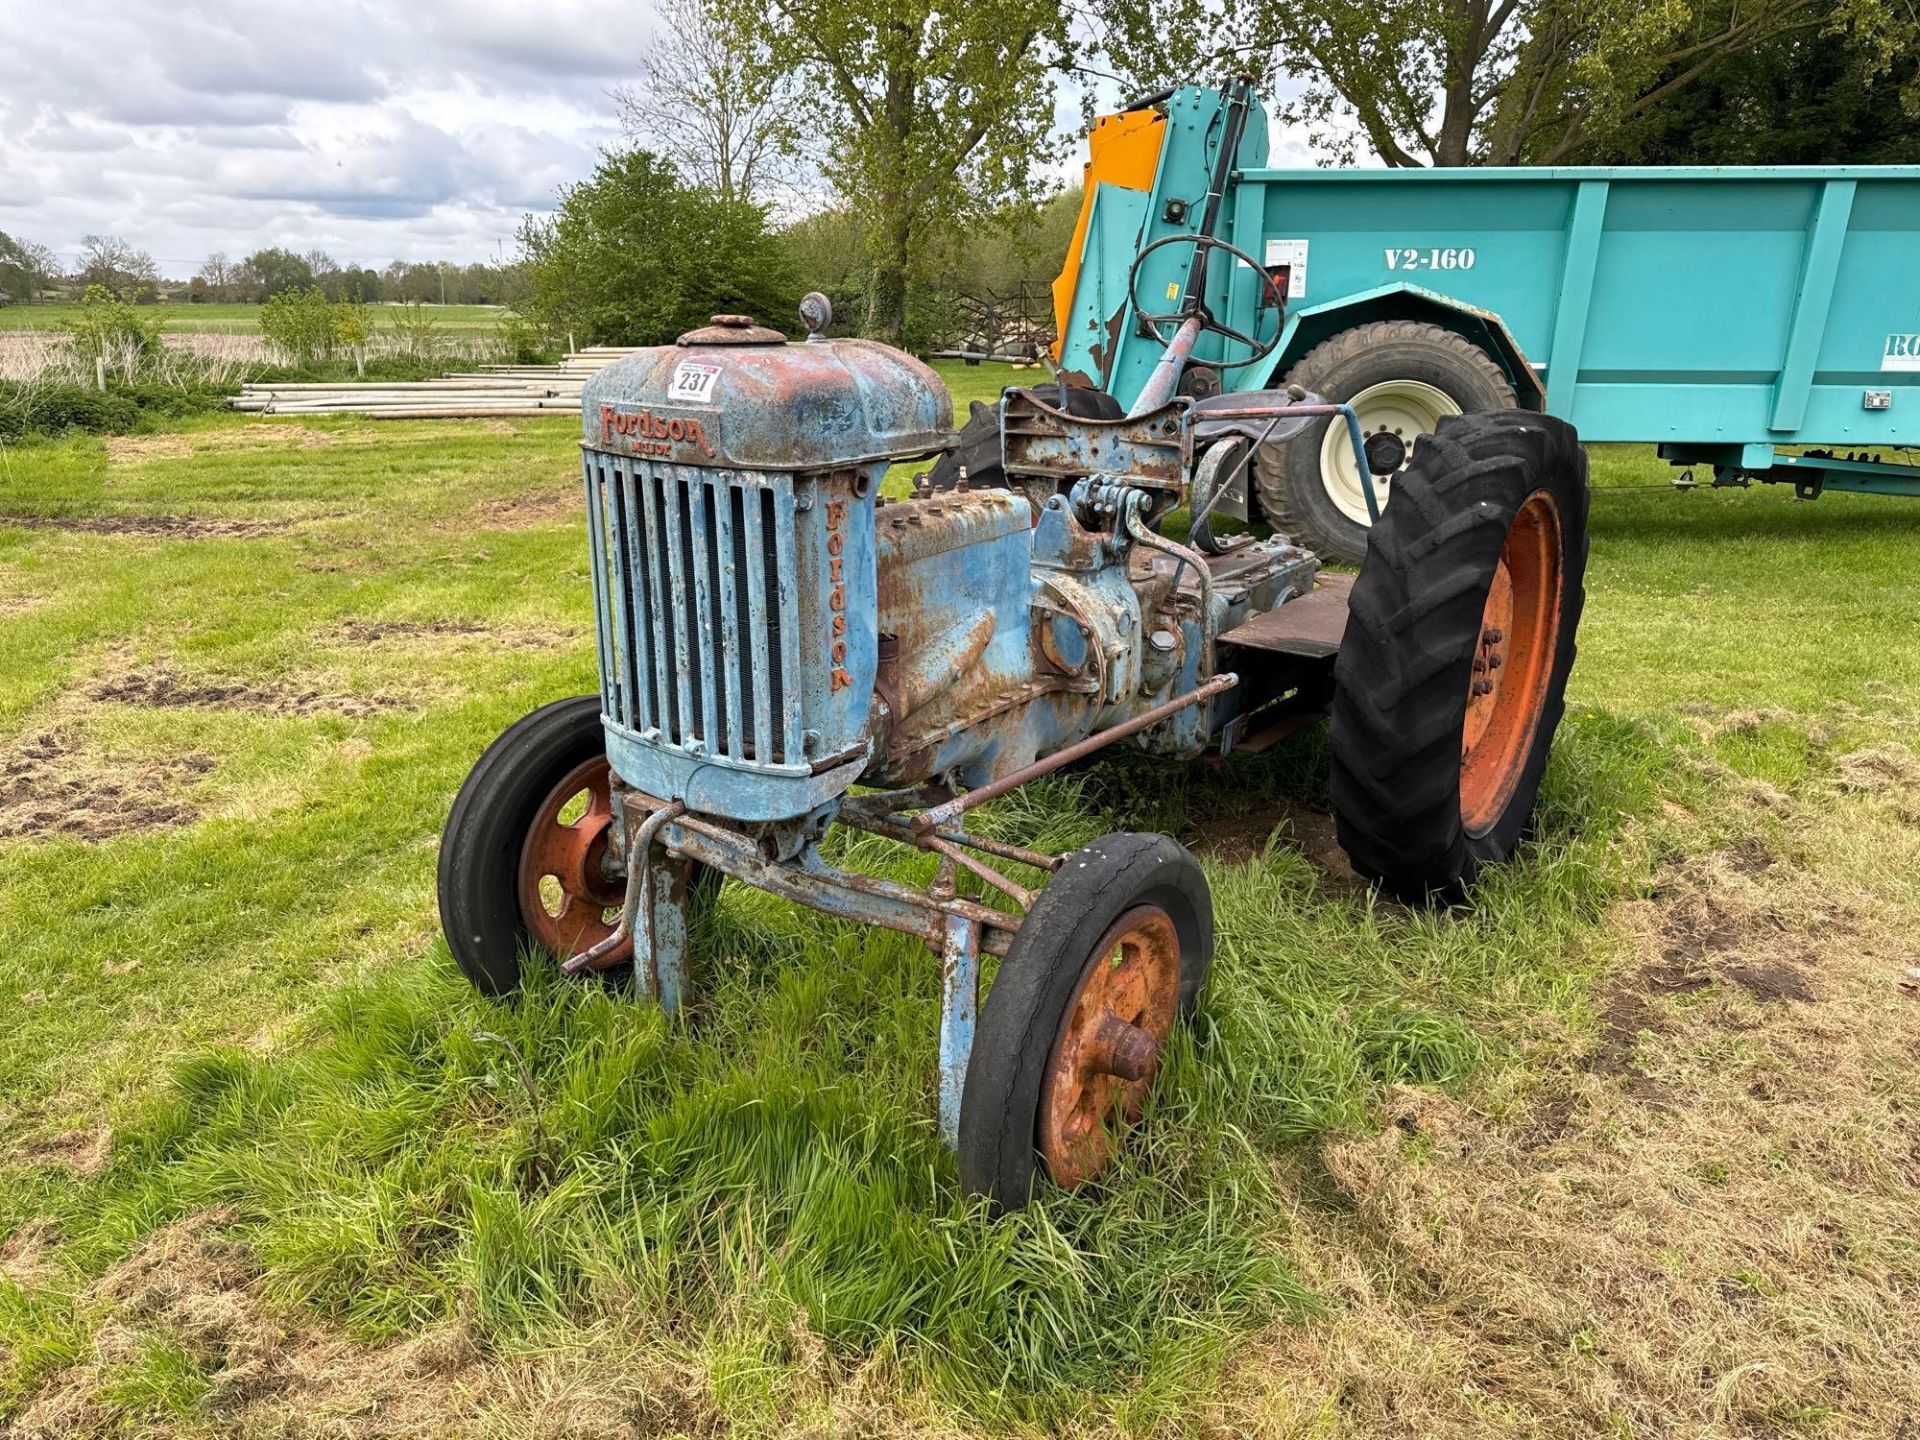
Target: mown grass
258,1006
224,319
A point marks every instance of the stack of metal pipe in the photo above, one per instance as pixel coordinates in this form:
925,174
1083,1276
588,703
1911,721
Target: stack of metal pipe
506,390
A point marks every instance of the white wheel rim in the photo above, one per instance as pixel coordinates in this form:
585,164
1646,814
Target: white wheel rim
1403,408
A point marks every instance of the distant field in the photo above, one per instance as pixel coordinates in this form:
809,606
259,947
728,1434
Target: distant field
231,319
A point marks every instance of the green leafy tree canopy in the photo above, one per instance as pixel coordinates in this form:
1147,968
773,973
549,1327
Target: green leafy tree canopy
930,113
635,257
1480,82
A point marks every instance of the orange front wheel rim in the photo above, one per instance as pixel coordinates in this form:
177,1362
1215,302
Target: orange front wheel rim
569,900
1108,1049
1513,663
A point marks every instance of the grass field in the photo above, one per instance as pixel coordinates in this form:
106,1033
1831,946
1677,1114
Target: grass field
1630,1149
228,319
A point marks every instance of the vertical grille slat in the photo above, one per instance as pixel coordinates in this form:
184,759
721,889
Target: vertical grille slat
787,568
626,528
622,616
706,602
676,541
760,666
597,561
696,581
658,605
639,644
731,579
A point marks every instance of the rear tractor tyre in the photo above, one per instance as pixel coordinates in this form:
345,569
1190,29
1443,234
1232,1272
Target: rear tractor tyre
524,859
1112,954
1401,377
1452,676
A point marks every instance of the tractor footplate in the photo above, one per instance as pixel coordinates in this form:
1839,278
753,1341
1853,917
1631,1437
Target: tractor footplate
1310,626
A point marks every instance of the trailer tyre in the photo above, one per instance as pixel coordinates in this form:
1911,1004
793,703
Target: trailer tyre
1452,676
522,856
1113,952
1401,377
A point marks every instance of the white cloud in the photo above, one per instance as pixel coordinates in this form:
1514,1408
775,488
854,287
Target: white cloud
374,131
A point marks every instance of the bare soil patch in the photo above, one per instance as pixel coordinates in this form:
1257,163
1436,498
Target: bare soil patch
27,1255
374,632
162,688
523,512
49,787
1888,769
191,1286
1301,826
85,1152
171,527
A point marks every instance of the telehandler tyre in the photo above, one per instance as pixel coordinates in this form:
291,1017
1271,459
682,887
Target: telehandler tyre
1452,676
1401,377
523,859
1112,955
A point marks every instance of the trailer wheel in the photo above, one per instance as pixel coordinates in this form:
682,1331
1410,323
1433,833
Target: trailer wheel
1452,676
1113,952
522,858
1402,377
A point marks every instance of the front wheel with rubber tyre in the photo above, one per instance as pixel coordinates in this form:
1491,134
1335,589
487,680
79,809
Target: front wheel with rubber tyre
1112,953
525,859
1402,377
1452,676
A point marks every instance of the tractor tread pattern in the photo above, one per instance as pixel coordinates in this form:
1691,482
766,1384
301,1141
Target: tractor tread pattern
1404,668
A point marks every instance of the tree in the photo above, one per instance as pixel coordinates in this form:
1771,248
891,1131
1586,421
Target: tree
326,273
1475,82
14,287
360,285
110,329
634,256
26,269
1800,100
709,96
270,272
933,112
120,269
218,277
300,323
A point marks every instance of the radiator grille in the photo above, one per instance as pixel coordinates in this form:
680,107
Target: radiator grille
693,577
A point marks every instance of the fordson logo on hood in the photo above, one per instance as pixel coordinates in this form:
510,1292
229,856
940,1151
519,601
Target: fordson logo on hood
646,433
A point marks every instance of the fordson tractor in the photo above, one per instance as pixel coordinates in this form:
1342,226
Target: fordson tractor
784,649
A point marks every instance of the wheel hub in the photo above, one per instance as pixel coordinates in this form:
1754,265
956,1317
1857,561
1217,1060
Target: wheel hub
567,887
1512,663
1386,452
1392,414
1108,1049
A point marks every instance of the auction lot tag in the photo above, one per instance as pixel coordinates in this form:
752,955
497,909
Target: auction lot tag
692,381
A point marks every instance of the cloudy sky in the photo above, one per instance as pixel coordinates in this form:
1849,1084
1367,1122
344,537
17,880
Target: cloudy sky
412,129
421,129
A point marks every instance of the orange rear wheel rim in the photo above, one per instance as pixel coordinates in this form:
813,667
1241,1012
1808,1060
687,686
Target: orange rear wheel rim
1513,661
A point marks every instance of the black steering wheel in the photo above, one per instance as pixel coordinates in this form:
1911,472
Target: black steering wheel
1155,319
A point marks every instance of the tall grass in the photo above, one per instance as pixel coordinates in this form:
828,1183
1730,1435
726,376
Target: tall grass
768,1165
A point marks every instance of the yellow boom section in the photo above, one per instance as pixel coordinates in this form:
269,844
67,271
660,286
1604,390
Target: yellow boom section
1122,150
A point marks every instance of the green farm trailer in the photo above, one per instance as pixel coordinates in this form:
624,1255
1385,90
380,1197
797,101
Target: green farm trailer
1757,323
